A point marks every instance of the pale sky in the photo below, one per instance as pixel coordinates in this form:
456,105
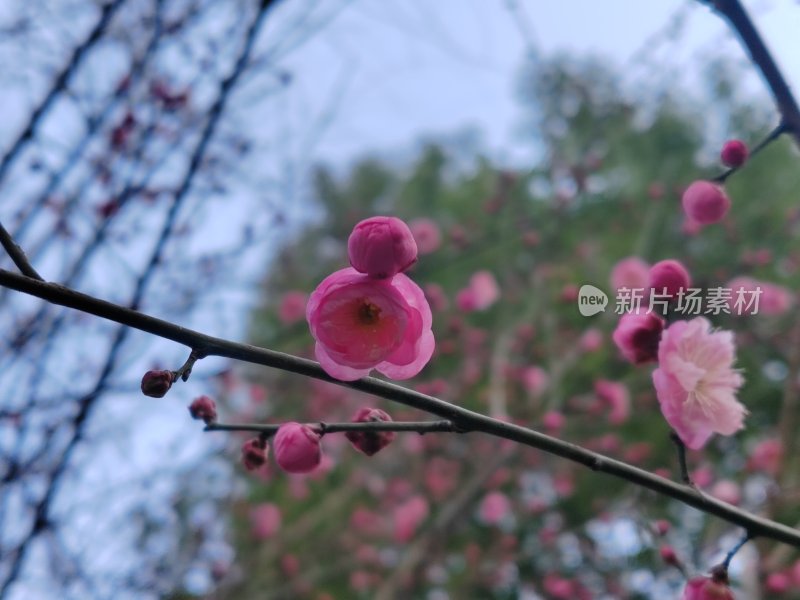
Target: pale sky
394,69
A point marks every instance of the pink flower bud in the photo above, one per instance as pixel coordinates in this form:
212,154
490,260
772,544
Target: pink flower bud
668,555
632,273
662,527
297,448
734,153
370,442
553,420
637,336
203,408
381,247
705,202
727,491
157,383
709,588
494,508
670,275
254,454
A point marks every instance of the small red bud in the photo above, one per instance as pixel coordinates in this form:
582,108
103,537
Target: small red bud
668,555
254,454
370,442
157,383
734,153
203,408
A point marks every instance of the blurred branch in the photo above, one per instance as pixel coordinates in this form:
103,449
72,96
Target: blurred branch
59,84
740,21
463,419
42,508
17,255
420,427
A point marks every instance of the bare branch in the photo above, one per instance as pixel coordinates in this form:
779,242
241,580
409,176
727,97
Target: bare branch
463,419
17,255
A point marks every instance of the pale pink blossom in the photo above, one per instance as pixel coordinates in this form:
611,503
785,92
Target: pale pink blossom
408,517
265,520
427,235
748,294
480,294
632,273
727,491
553,420
381,247
591,340
494,508
360,323
766,456
696,383
535,380
616,397
297,448
637,336
292,307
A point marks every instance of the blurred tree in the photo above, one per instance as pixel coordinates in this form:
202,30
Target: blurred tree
464,516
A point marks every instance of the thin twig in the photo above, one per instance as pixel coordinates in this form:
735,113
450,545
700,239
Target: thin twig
771,137
729,557
684,467
463,419
740,21
17,255
420,427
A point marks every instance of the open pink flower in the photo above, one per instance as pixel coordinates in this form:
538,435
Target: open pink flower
361,323
696,383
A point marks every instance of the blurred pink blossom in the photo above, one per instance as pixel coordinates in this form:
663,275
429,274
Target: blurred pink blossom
427,235
292,307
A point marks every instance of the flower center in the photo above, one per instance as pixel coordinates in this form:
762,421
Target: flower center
368,313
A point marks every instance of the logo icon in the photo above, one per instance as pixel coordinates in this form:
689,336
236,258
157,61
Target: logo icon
591,300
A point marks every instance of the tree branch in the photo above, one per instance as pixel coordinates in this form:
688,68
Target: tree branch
17,255
740,21
420,427
465,420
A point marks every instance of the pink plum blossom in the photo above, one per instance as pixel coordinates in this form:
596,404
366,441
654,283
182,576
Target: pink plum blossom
297,448
381,247
427,235
591,340
361,323
292,307
705,202
637,336
766,456
749,295
727,491
615,396
265,520
553,420
696,383
203,408
254,454
408,517
480,294
535,380
632,273
494,507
